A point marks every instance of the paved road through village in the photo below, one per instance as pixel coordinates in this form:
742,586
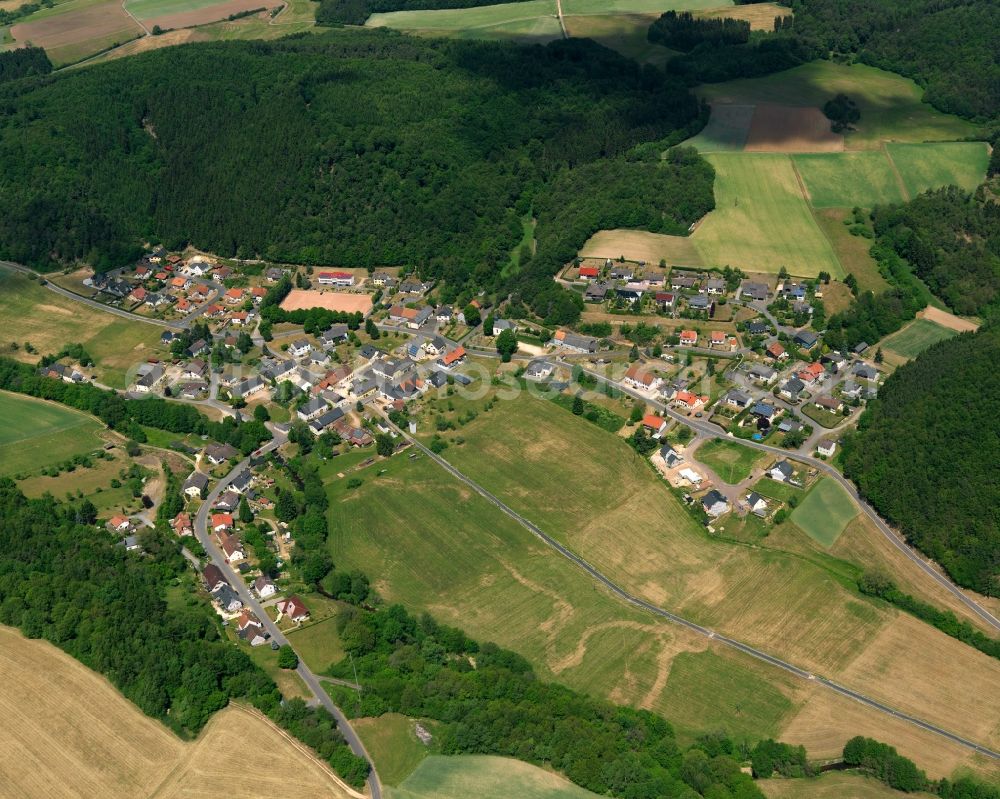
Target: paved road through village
204,535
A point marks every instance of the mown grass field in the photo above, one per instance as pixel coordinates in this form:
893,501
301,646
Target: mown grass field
891,107
318,644
843,180
392,742
534,17
916,337
731,462
640,245
825,512
36,434
484,777
726,131
833,785
439,547
636,6
761,220
69,733
33,314
928,166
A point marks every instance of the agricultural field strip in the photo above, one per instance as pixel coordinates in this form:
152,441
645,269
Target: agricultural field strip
713,432
624,595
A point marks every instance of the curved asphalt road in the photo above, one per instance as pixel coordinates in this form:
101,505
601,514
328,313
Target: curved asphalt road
711,431
622,594
204,535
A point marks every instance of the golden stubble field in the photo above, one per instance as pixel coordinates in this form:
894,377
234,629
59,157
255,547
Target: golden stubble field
68,734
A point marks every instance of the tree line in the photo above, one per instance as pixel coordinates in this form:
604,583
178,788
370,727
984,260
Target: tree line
75,587
24,61
681,31
353,148
924,456
128,416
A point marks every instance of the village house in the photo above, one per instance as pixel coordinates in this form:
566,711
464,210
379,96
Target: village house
813,373
829,403
763,410
754,291
689,338
714,503
211,577
228,502
294,608
273,274
234,296
639,378
221,522
681,282
572,341
664,300
231,548
656,425
249,387
596,292
721,340
715,286
688,400
311,409
538,370
220,453
325,421
826,447
444,314
699,302
119,524
227,599
756,504
622,273
589,272
781,471
499,325
182,524
806,339
299,348
671,457
762,374
148,379
265,587
195,484
341,279
776,351
738,399
791,389
242,482
453,358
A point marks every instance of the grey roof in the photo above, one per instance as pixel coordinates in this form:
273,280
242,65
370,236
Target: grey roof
315,405
763,409
196,480
576,341
221,452
227,597
325,420
757,291
865,371
761,370
151,377
369,351
757,328
539,367
273,369
248,385
334,333
699,301
784,467
716,284
300,344
713,498
739,396
806,338
503,324
793,385
597,291
860,347
789,425
753,498
242,481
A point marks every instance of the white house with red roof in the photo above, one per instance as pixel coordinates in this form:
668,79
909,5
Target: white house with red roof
293,607
689,337
343,279
655,424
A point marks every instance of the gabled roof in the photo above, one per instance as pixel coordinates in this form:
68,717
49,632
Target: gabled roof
455,355
652,421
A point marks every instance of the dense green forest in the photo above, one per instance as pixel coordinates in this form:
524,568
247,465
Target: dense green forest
683,32
948,46
23,62
951,239
355,12
353,148
68,582
927,456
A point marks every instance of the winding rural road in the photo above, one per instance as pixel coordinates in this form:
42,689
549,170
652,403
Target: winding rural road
706,632
204,535
711,431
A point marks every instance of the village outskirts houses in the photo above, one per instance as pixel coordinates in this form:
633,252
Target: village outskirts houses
639,378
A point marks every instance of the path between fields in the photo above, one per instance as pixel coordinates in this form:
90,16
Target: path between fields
706,632
135,19
562,22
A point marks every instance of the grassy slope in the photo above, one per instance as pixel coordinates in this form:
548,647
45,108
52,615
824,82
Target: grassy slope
636,6
852,251
928,166
833,785
486,778
464,18
731,462
844,180
32,313
762,221
916,337
890,104
392,742
37,433
430,543
825,512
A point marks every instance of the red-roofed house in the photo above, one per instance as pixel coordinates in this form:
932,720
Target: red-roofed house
637,377
655,424
664,299
258,293
214,310
180,283
182,524
776,351
234,296
589,272
335,279
811,373
689,400
119,523
456,356
222,521
689,337
138,294
184,304
293,607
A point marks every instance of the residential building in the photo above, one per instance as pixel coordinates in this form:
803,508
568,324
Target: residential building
249,387
195,484
312,409
538,370
589,272
714,503
220,453
826,447
453,358
299,348
294,608
182,524
265,587
637,377
776,351
752,290
756,504
762,374
221,521
227,599
147,382
212,578
781,471
689,338
664,300
575,342
806,339
738,399
596,292
829,403
656,425
791,389
341,279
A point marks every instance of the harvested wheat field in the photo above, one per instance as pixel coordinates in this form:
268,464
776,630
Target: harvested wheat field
299,299
948,320
70,37
68,734
640,245
829,720
791,129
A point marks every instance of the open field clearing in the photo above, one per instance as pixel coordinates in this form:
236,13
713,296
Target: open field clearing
928,166
635,6
36,433
94,482
825,512
392,742
471,21
484,777
946,319
727,129
761,221
152,10
68,734
73,31
759,15
299,299
832,785
624,33
916,337
641,245
828,721
318,644
203,14
843,180
731,462
791,129
32,313
495,580
890,104
852,251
